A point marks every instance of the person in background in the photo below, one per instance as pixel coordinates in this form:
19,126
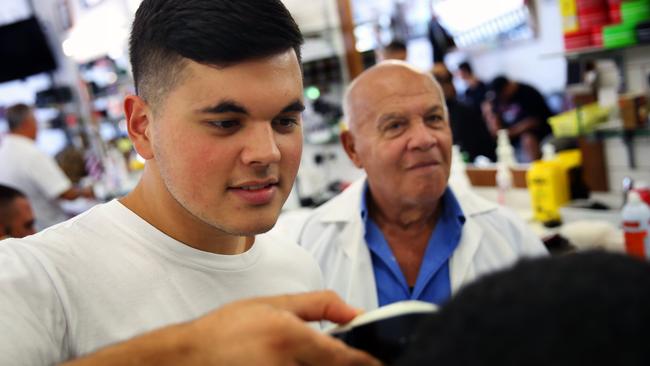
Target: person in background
402,233
16,216
580,309
520,109
135,281
468,128
474,94
441,41
395,50
37,174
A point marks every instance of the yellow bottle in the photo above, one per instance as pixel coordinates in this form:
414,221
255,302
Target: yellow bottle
548,186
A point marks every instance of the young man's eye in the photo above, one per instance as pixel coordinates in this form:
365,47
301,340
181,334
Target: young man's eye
225,125
285,124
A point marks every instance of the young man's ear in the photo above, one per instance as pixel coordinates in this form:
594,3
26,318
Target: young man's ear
138,122
347,140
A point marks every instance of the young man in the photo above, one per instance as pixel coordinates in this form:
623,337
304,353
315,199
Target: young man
16,216
217,115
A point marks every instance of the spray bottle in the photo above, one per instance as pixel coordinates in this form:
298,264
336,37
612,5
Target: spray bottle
458,176
636,222
548,186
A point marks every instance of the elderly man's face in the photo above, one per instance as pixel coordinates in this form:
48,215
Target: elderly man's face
400,135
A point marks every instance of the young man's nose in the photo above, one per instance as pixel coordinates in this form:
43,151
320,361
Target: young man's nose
261,146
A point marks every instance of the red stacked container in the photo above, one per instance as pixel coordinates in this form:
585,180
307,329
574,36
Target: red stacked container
578,39
592,13
592,16
614,11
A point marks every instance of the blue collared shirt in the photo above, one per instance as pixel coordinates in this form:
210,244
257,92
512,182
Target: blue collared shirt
433,282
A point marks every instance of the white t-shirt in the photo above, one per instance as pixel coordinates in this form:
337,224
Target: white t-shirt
36,174
108,275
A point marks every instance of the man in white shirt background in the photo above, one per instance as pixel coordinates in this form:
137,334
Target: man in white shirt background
25,167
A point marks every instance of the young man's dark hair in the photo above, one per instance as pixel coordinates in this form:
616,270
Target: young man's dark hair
216,33
582,309
16,114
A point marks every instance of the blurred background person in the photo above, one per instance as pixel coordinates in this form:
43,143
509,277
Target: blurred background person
475,90
441,41
16,216
37,174
468,128
395,50
522,110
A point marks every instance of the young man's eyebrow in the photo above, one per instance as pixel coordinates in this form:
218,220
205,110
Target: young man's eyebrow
295,106
226,106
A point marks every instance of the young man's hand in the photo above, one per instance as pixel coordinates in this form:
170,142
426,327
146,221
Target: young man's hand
261,331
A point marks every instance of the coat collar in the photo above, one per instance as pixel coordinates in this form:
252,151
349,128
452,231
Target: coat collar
346,207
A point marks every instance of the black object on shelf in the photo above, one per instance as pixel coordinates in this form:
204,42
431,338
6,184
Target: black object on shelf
24,50
58,95
643,32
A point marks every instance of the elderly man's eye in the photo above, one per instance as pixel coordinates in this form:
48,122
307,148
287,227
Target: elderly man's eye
435,118
395,125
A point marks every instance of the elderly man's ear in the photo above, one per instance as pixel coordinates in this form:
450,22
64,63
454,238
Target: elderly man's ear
347,140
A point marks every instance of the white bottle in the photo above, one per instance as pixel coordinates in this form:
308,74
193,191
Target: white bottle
505,151
636,222
505,160
458,176
548,152
503,181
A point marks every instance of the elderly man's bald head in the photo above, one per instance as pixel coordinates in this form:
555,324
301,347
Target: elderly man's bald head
380,81
399,134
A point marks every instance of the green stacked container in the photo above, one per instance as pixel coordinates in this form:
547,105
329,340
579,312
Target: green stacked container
634,12
624,34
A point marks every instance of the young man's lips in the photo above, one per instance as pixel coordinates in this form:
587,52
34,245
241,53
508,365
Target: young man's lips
255,194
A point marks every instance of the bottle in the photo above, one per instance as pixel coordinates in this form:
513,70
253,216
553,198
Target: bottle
504,182
548,186
643,189
505,160
636,221
505,151
458,176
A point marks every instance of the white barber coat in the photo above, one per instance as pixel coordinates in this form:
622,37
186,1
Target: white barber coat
492,238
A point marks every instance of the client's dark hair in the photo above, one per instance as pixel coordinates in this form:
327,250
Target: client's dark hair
213,32
582,309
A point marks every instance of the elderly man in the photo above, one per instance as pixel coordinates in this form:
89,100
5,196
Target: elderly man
402,233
